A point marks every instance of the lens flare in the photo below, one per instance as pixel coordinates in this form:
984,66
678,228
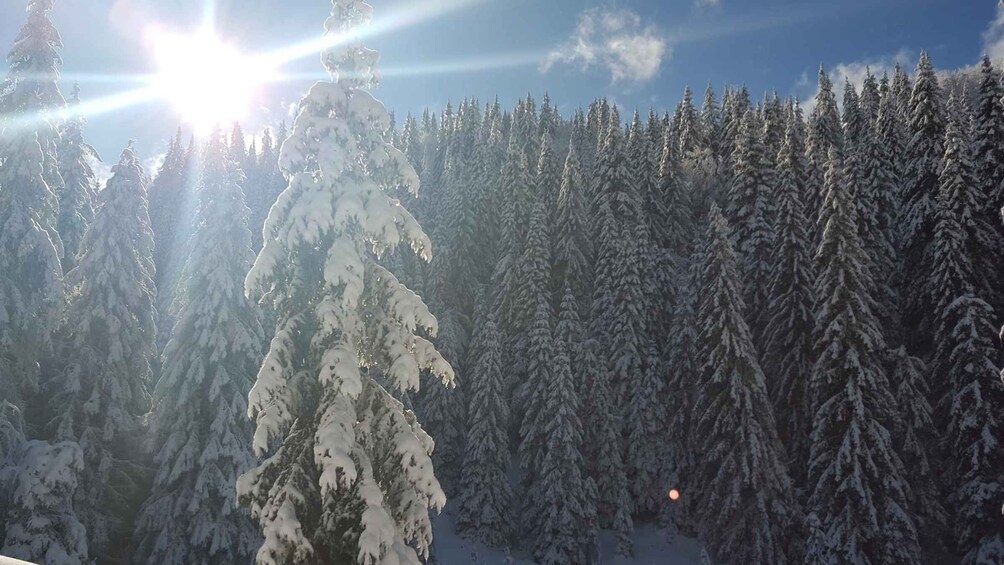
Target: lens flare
205,79
674,495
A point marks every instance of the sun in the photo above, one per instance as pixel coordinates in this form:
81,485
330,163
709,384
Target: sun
206,80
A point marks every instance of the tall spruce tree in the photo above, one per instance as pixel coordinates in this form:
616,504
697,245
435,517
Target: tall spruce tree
857,483
788,351
564,495
41,523
747,500
750,212
76,200
915,437
485,511
966,234
31,289
966,380
348,478
101,396
199,424
823,133
988,154
924,153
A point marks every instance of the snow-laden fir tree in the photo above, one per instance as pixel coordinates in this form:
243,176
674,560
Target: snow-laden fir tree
924,155
748,512
618,289
823,133
347,477
76,200
42,526
536,348
442,409
602,447
166,200
485,511
788,350
966,369
750,212
564,497
102,394
963,246
199,424
857,484
571,251
988,150
975,431
878,205
870,97
915,436
11,442
31,289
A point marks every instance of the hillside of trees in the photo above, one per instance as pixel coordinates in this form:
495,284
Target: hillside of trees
295,348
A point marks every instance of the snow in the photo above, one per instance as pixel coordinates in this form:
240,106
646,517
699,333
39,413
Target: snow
652,546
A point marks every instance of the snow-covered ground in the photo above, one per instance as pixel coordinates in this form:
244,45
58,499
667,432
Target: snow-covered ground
652,546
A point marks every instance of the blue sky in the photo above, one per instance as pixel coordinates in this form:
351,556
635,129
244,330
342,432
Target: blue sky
640,53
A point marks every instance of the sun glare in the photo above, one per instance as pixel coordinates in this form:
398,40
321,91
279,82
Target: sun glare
206,80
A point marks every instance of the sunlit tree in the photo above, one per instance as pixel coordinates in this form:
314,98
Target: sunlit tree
199,420
347,476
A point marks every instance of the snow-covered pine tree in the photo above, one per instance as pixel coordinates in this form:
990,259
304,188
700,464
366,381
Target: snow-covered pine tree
870,97
11,443
773,121
601,397
239,148
31,289
535,346
750,212
988,156
167,194
901,92
485,511
823,133
924,155
101,396
878,206
966,366
915,437
571,245
258,188
689,124
76,200
975,431
41,524
348,478
748,508
857,483
788,351
853,120
963,246
711,119
199,424
564,496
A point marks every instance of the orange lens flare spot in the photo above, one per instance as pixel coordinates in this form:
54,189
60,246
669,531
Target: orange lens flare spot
674,494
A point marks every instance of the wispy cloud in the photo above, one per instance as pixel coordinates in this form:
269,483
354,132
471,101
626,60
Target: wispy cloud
613,40
993,37
853,72
707,4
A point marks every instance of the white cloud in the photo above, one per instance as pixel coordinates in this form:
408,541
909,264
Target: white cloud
707,3
616,41
153,164
993,37
855,72
102,170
